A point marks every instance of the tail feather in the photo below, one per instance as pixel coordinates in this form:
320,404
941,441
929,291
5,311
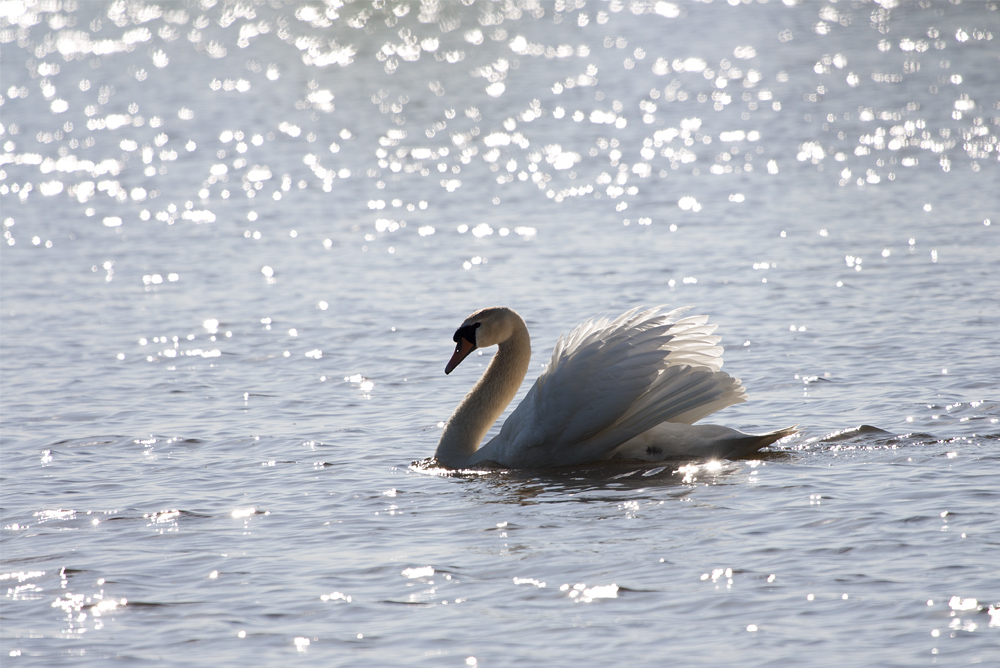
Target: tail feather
753,443
672,440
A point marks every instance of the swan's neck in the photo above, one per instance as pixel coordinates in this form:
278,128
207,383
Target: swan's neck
486,401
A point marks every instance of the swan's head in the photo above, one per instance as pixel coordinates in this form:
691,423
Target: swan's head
484,328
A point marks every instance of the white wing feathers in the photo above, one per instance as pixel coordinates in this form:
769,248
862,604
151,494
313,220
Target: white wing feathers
609,381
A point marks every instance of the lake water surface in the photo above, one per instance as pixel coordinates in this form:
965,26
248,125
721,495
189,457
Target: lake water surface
238,237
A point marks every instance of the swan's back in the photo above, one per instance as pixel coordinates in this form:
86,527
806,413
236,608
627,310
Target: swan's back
611,380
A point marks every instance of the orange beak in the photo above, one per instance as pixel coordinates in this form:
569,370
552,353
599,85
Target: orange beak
462,351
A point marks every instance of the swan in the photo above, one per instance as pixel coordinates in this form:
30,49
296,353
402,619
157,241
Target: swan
628,388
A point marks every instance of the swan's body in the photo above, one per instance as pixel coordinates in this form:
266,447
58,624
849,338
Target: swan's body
629,388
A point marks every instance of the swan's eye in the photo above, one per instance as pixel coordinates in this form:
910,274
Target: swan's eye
468,333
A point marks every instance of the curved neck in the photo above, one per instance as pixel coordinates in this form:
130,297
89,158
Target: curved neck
486,401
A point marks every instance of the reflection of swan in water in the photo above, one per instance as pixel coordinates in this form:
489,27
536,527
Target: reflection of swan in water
623,389
612,480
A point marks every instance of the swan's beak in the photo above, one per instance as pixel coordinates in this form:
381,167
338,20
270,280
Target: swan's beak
462,351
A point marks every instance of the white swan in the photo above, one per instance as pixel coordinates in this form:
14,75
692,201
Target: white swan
628,388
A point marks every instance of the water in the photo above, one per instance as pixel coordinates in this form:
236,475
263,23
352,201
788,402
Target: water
239,236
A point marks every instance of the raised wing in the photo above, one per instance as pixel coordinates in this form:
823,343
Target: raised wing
609,381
